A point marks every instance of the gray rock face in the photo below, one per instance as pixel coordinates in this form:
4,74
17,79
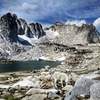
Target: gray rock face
8,27
32,30
95,91
82,87
11,26
22,26
36,30
72,34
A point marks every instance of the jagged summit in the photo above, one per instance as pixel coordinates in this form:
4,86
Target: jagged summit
16,35
8,27
11,26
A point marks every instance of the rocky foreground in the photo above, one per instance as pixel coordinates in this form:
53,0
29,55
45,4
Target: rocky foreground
50,84
77,78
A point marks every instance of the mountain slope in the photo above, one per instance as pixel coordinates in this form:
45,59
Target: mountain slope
13,31
72,34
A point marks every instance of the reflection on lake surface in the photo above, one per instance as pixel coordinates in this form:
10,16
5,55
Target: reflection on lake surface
26,65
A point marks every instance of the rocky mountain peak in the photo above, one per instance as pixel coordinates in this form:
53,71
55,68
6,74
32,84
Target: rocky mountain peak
36,30
8,27
16,35
73,34
11,26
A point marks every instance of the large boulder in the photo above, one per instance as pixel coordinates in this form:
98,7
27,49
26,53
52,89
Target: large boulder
95,91
82,87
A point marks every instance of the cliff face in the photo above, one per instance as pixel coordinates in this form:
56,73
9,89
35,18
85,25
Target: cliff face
72,34
11,27
8,27
12,33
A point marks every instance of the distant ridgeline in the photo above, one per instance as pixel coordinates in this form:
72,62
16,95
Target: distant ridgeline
73,34
21,41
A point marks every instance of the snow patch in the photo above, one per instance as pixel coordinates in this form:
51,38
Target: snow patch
24,38
53,59
44,58
61,58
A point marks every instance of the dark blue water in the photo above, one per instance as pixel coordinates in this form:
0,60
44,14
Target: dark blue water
13,66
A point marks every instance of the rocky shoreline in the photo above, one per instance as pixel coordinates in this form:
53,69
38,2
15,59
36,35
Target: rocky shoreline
49,84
